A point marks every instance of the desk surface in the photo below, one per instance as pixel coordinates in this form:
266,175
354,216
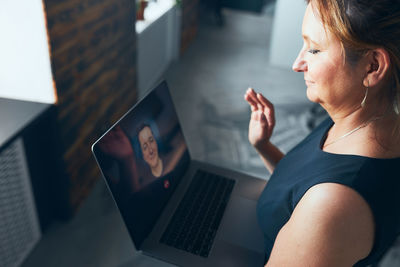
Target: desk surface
15,115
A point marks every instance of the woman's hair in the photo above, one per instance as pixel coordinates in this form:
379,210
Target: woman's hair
141,127
138,130
362,25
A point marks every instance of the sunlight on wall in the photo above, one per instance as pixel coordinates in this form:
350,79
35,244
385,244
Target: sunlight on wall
25,70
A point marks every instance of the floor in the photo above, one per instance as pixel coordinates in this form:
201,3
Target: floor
207,84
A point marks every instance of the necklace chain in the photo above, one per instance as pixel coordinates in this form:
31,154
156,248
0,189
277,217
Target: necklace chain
354,130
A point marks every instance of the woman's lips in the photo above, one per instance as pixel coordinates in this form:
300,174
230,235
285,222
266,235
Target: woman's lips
308,83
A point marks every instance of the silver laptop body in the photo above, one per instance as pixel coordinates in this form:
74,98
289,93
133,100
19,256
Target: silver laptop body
148,210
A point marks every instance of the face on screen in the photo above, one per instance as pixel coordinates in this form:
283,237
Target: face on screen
149,147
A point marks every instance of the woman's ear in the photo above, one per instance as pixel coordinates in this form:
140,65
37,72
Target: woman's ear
378,64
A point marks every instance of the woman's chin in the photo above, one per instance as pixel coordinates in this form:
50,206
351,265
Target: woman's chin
312,96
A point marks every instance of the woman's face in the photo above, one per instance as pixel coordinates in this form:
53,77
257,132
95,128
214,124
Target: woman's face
149,146
329,81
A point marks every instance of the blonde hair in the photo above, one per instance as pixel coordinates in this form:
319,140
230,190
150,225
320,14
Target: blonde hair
364,25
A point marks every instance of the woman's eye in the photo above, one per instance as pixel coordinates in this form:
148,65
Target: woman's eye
313,51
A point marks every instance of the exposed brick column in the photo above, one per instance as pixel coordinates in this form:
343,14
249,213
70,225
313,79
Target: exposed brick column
93,57
190,14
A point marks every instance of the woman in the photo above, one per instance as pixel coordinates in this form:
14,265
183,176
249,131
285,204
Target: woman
334,199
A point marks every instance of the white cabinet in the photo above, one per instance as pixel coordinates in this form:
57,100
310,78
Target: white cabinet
158,39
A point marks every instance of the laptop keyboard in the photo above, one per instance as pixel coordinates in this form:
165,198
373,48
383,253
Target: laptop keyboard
196,220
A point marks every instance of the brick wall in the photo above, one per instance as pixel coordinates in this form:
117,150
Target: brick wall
190,13
93,56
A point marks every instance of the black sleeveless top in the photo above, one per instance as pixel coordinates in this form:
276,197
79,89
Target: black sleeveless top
376,180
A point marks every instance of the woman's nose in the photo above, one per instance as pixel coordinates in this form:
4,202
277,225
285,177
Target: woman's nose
299,65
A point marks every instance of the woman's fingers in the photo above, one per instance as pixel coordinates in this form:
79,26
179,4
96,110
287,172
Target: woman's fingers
258,102
269,106
264,101
258,98
251,97
251,102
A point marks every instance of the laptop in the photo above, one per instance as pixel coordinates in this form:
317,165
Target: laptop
177,209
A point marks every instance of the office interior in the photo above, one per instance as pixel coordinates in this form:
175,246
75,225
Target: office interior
70,69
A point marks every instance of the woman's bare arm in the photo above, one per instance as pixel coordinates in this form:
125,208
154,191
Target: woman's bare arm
270,155
332,225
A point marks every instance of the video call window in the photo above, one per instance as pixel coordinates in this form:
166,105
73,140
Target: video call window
143,158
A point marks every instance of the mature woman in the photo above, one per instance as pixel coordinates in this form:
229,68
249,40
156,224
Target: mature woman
334,199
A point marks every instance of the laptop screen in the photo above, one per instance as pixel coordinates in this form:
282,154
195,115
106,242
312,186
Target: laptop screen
142,158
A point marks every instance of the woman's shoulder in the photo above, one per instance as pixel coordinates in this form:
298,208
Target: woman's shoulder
334,197
330,218
341,210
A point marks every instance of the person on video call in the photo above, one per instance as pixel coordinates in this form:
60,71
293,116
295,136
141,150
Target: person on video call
137,186
333,200
149,148
117,145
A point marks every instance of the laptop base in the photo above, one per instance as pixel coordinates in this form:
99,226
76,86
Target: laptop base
238,241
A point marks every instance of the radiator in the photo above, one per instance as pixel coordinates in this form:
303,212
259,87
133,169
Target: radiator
19,224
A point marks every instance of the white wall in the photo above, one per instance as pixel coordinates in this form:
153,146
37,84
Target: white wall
286,39
25,70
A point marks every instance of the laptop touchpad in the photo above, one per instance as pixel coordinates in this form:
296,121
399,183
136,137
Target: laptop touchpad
239,225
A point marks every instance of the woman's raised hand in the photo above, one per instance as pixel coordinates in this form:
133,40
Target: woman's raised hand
262,119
